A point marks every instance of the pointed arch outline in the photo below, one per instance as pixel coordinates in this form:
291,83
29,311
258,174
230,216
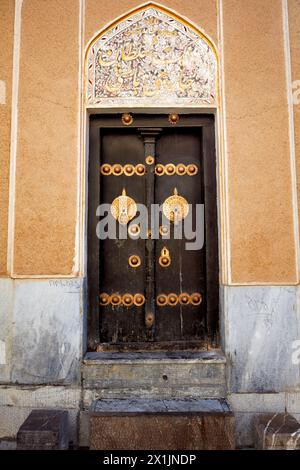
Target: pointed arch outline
188,24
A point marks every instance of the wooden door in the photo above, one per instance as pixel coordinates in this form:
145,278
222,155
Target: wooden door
152,292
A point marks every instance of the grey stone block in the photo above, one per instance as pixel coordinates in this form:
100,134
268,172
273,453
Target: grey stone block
155,374
279,431
44,430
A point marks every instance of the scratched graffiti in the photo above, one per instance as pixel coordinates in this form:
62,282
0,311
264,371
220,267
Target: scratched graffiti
262,309
151,56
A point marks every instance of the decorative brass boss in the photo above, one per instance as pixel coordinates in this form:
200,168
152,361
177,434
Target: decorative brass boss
175,208
123,208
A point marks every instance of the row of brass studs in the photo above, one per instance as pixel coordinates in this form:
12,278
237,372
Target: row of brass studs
184,299
117,170
127,119
127,300
170,169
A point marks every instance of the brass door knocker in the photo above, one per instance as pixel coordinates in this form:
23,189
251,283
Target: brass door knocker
165,258
175,208
123,208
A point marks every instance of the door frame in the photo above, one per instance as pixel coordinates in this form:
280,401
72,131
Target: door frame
113,120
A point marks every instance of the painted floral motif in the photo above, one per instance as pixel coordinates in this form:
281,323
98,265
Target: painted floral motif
151,59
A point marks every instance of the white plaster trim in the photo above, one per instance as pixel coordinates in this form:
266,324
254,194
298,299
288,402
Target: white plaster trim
45,276
14,134
2,353
78,236
262,284
223,150
288,68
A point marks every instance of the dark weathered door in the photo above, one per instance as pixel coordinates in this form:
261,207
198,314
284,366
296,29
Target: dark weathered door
148,290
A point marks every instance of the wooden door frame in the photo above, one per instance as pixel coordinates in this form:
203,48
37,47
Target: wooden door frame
207,123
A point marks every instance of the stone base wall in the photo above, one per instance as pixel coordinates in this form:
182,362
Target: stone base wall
42,340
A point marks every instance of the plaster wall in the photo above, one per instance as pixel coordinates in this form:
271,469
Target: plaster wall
256,174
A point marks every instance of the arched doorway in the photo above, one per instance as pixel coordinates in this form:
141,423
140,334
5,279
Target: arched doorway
151,292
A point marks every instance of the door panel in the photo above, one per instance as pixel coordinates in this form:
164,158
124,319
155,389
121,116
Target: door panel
190,271
117,322
186,273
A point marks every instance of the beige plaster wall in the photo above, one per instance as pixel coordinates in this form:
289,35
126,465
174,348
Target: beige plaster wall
46,170
260,202
294,24
201,12
260,199
6,60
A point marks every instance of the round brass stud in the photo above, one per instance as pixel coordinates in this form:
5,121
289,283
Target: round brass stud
164,230
134,261
172,299
117,169
180,169
170,169
104,298
192,169
159,169
129,169
138,300
173,118
134,230
140,169
149,160
162,300
106,169
115,299
184,298
149,319
127,300
127,119
196,298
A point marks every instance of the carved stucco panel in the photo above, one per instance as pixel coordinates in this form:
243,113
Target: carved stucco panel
151,58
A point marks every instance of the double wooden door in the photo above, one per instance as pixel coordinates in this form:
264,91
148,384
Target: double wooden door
147,287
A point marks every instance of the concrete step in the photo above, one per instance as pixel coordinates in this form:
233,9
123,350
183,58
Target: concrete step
153,375
152,424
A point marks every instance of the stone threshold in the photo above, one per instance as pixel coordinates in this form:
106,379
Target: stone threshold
134,406
215,356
